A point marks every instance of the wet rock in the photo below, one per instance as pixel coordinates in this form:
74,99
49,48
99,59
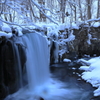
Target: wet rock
9,62
86,42
3,91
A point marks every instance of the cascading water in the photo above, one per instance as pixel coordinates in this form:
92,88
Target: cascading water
18,65
38,76
37,62
24,70
37,59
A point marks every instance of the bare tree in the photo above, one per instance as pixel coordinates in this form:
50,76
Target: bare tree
80,10
32,11
98,10
63,6
89,3
42,4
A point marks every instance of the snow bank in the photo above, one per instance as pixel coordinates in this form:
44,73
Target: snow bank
7,35
50,29
6,31
68,26
6,28
96,24
92,73
66,60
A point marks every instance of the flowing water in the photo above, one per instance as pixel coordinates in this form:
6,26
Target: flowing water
37,63
40,82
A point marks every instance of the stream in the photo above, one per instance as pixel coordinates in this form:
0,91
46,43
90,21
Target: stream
70,74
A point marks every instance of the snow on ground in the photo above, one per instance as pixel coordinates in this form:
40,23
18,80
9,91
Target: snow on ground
66,60
92,73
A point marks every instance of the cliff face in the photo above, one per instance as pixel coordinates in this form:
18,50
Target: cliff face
86,42
12,56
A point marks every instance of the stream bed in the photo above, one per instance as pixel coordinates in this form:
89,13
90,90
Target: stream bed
65,83
70,74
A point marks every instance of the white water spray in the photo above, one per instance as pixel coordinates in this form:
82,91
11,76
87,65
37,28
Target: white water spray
37,63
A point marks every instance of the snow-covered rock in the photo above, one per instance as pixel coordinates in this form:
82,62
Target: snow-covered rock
7,35
92,74
66,60
6,28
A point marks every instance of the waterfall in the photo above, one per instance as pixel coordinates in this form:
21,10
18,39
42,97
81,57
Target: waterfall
40,84
24,61
37,64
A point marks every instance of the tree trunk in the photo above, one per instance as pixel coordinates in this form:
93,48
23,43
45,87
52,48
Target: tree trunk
63,5
42,17
75,15
89,3
98,11
80,9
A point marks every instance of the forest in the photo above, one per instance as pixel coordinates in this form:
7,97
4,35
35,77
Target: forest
29,12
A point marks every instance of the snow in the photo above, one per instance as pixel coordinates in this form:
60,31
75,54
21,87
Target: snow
83,62
96,24
7,35
7,31
52,28
63,26
92,73
89,39
66,60
91,67
75,26
68,26
6,28
52,34
86,68
70,38
18,30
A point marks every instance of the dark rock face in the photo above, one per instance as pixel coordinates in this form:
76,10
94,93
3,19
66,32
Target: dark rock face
52,53
12,55
87,42
81,42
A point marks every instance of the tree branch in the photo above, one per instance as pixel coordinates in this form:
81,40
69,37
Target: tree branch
39,7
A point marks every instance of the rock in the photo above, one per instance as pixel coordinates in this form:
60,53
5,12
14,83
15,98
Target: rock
86,42
41,98
12,62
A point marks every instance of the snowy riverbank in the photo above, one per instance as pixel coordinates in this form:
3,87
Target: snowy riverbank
92,73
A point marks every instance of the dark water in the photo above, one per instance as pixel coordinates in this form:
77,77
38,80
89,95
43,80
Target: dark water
71,76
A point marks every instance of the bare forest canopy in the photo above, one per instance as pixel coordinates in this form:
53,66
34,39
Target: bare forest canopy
29,12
